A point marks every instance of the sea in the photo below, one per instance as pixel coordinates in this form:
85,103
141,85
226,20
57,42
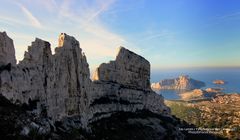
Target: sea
230,75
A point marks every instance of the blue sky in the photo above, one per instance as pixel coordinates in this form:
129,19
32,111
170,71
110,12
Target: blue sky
169,33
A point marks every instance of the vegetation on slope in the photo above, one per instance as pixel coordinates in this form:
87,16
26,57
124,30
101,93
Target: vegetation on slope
223,117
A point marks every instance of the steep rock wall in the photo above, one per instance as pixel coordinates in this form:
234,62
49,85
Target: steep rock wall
123,85
61,82
7,52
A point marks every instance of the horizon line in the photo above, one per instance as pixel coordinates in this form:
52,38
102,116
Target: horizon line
195,67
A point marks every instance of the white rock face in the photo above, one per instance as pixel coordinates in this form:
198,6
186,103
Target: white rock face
25,81
69,79
128,69
123,85
61,82
7,52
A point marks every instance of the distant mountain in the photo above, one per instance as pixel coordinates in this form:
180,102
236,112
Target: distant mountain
181,83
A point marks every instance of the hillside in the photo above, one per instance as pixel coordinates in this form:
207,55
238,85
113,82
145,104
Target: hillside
222,112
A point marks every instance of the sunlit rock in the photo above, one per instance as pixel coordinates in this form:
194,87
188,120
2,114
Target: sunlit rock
61,85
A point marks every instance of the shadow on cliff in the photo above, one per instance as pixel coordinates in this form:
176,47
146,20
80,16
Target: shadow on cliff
141,125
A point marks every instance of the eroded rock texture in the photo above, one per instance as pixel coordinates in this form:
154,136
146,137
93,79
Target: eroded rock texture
128,69
7,52
61,84
123,85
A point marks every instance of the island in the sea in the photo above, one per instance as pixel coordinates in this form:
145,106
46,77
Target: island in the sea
219,82
183,82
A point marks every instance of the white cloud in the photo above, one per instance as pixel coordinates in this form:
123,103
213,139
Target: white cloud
102,8
33,20
154,35
50,5
231,15
12,21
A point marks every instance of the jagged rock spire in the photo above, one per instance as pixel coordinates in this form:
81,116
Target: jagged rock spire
7,52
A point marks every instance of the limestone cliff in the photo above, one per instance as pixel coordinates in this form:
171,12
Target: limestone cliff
181,83
61,83
128,69
123,85
51,96
7,52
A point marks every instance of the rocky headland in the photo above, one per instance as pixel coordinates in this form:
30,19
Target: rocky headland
181,83
51,96
197,94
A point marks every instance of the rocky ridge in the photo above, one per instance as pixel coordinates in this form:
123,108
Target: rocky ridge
198,94
51,96
57,81
60,83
